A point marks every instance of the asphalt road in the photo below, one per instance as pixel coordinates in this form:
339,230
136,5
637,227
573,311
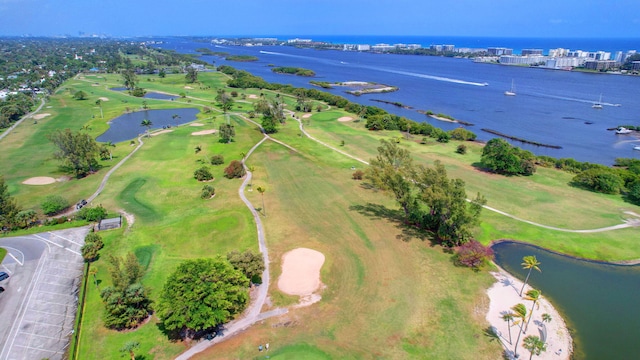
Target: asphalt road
39,304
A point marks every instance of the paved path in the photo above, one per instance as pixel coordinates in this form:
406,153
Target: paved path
21,120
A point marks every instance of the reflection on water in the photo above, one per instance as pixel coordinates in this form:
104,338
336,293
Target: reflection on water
598,301
127,126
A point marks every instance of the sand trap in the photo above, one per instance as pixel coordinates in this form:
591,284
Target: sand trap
104,98
300,272
161,132
345,118
39,180
95,84
196,124
188,87
306,116
204,132
252,96
503,295
41,116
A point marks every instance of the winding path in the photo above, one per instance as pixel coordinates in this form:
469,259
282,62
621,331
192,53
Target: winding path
22,119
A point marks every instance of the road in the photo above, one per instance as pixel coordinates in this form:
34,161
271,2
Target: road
39,305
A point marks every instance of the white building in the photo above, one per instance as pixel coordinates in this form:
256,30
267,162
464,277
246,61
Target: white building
522,60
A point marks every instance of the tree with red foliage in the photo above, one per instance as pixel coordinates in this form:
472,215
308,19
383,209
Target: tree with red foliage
473,254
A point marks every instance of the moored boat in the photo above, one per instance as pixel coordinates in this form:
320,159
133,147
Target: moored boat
623,130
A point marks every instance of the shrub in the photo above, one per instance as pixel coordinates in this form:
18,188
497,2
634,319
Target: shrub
358,175
53,204
602,180
462,149
217,160
92,213
203,174
234,170
80,95
207,192
462,134
138,92
89,252
473,254
95,239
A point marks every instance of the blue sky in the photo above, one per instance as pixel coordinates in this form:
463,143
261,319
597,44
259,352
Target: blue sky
499,18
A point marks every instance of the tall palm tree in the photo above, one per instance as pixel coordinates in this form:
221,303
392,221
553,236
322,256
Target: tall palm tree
533,295
99,103
519,312
534,345
261,190
508,317
529,262
251,169
148,124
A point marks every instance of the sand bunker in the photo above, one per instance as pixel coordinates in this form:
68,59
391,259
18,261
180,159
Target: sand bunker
196,124
161,132
204,132
306,116
39,180
345,118
96,84
104,98
41,116
188,87
300,272
252,96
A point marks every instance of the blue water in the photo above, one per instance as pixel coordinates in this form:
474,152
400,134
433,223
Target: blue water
552,107
598,301
150,94
127,126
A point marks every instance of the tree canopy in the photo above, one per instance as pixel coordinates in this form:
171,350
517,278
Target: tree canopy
502,158
8,207
78,151
251,265
201,294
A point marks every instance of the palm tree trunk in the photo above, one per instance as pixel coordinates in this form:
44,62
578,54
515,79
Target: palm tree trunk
525,281
530,316
509,326
515,348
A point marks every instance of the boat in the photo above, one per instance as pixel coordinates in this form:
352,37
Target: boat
636,147
512,91
623,130
598,105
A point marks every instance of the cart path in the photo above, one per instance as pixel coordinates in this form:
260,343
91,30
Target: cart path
42,102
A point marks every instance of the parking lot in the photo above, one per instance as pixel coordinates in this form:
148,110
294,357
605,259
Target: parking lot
39,304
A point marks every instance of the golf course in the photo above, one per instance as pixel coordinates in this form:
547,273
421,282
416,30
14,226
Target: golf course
388,290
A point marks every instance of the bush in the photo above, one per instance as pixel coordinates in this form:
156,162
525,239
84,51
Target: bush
462,149
358,175
217,160
207,192
138,92
602,180
92,214
234,170
462,134
203,174
53,204
89,252
473,254
95,239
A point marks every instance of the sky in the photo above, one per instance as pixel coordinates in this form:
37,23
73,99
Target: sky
488,18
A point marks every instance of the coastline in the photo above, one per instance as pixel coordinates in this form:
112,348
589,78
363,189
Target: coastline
503,294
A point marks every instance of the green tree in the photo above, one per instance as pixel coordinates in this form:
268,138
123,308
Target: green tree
129,348
502,158
80,95
520,313
601,179
508,317
227,133
203,174
529,263
192,75
534,345
224,100
633,191
26,217
201,294
532,295
90,252
546,317
53,204
129,79
234,170
251,265
162,73
93,271
8,207
99,103
217,160
148,124
262,190
78,151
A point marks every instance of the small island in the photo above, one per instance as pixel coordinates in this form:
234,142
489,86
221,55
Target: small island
444,117
358,87
293,71
241,58
207,51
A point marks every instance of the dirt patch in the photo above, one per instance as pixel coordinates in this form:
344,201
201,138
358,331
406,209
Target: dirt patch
252,96
345,119
196,124
161,132
301,272
104,98
204,132
39,180
41,116
305,116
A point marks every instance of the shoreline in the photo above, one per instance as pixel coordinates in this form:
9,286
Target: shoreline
503,294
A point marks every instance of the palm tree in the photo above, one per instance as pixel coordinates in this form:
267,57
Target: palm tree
529,262
546,317
99,103
519,312
94,271
261,190
146,123
534,345
508,317
130,347
251,169
533,295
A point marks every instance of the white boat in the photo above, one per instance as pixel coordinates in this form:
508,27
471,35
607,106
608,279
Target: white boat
512,91
623,130
636,147
598,105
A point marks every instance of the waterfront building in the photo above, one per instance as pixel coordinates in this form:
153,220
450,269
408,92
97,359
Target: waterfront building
522,60
629,53
382,47
566,63
414,46
435,47
618,57
363,47
526,52
599,64
500,51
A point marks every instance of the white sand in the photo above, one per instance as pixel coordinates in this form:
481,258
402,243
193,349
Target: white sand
41,116
503,295
345,119
204,132
161,132
39,180
196,124
301,272
188,87
104,98
307,115
95,84
252,96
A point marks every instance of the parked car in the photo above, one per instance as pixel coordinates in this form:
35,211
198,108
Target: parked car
3,275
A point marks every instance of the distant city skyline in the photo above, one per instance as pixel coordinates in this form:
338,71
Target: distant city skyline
490,18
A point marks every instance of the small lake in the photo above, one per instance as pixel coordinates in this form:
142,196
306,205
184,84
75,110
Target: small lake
151,94
598,301
127,126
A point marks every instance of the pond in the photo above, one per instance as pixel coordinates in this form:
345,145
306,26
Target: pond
598,301
127,126
150,94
